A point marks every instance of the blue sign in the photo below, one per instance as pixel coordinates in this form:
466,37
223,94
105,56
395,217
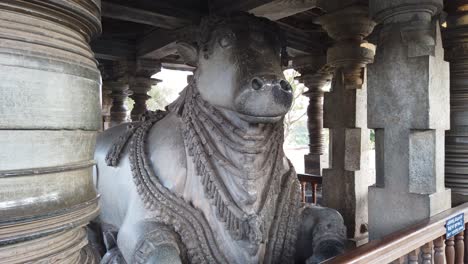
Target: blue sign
455,225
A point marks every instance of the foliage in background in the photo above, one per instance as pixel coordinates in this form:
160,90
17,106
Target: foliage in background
295,121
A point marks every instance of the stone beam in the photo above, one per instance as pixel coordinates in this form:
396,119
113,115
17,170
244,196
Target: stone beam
161,43
408,104
142,16
273,10
112,49
346,180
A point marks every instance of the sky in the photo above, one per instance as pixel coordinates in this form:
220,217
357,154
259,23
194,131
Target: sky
173,78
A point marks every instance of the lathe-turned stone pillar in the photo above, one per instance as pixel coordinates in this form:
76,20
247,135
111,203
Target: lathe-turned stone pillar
141,84
408,104
49,117
315,75
456,139
345,183
117,82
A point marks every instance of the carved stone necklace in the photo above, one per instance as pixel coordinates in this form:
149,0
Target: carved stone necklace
209,138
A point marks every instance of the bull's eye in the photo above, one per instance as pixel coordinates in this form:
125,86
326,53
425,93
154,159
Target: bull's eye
226,41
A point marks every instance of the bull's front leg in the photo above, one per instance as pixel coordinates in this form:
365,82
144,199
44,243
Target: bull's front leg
150,243
321,236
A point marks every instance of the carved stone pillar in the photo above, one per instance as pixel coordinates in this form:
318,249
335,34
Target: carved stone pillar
456,139
315,74
409,109
49,117
117,82
141,84
105,108
345,182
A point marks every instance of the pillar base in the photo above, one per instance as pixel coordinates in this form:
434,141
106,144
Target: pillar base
402,209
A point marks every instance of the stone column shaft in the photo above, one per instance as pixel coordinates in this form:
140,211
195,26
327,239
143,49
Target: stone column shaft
345,114
105,108
49,117
141,84
117,79
314,75
409,110
456,140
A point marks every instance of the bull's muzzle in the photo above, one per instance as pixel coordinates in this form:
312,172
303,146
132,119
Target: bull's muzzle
270,82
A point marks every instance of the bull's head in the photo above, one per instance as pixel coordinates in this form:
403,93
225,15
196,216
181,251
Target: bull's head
238,60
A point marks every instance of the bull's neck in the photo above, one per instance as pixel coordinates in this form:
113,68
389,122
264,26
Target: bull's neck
244,156
239,164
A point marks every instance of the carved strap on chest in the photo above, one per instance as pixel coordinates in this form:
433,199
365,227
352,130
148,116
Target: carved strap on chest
173,211
115,152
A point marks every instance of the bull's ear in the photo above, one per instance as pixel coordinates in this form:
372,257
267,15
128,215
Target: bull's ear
188,52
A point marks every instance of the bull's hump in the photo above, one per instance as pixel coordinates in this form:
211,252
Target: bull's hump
166,151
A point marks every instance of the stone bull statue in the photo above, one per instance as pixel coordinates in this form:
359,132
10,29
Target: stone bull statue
207,181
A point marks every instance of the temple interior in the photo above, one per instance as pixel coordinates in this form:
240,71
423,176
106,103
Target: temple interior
76,166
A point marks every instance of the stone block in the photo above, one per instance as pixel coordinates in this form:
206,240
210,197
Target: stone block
422,174
408,92
391,210
352,149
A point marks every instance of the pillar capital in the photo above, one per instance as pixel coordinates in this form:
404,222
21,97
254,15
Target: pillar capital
351,53
146,67
116,79
141,83
315,72
401,11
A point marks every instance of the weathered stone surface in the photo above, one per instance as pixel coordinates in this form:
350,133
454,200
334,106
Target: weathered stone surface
61,247
49,114
211,170
409,108
349,173
345,114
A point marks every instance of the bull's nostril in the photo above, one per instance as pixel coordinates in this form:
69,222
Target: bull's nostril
257,84
285,85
